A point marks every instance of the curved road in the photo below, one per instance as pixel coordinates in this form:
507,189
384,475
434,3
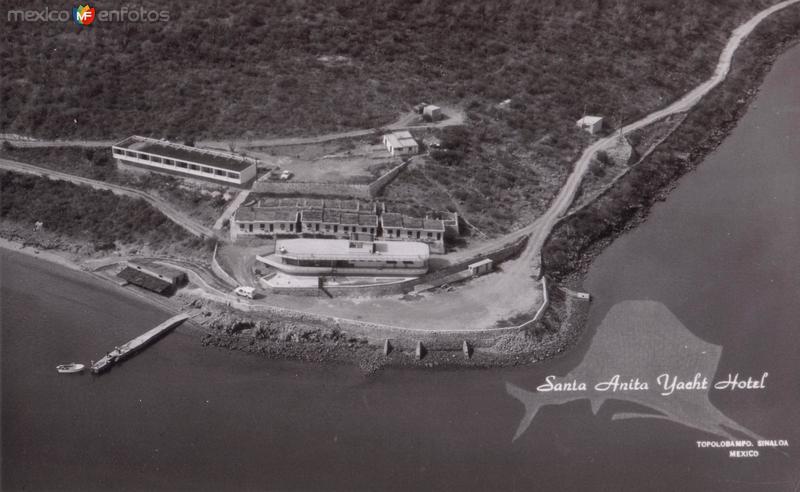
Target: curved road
192,226
457,118
486,300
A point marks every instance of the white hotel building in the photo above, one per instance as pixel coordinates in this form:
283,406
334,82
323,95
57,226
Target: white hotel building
161,155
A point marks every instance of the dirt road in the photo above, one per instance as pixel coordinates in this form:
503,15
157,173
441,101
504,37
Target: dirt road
173,214
457,117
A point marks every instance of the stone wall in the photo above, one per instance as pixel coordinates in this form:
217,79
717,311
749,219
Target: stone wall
345,190
348,190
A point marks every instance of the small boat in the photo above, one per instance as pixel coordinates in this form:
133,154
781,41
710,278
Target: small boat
70,368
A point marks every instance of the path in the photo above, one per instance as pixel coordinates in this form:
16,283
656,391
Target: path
457,117
231,208
485,300
542,226
192,226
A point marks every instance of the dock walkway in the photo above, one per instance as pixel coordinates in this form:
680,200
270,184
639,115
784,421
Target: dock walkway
128,349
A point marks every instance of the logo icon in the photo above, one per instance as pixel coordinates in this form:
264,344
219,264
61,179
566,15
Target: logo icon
83,15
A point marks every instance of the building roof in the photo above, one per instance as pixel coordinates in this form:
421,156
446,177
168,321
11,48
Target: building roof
348,218
367,219
311,215
330,217
401,139
343,249
251,214
431,107
163,148
391,220
144,280
589,120
432,225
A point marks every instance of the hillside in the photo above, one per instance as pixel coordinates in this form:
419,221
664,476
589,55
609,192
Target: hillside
264,68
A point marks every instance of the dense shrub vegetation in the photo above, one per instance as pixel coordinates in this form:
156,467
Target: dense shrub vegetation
79,212
256,67
702,130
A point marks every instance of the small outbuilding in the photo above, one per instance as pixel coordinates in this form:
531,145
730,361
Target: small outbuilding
400,143
480,267
432,113
156,278
592,124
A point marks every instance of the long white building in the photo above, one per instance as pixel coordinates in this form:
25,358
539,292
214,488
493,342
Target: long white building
161,155
344,257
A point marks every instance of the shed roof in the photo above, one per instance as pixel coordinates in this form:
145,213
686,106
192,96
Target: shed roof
311,215
144,280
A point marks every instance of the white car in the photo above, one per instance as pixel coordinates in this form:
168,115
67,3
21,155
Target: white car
286,174
248,292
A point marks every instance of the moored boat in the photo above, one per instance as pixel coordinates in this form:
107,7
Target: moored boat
70,368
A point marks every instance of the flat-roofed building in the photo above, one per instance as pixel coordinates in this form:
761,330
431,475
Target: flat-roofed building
591,124
432,113
346,257
400,143
257,221
169,157
399,227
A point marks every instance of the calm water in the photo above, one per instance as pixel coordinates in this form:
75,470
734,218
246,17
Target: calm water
721,254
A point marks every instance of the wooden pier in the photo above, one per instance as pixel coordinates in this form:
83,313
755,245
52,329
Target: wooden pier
130,348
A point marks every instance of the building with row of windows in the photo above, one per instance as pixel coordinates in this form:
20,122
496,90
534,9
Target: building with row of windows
173,158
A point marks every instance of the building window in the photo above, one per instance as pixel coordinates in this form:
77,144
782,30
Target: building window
207,170
233,175
438,235
262,225
417,234
327,227
271,227
410,234
144,157
217,172
335,228
430,234
169,162
363,229
118,152
316,227
291,227
241,227
130,154
156,159
181,164
346,228
372,230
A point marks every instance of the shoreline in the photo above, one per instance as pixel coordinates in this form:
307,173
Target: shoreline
215,325
758,64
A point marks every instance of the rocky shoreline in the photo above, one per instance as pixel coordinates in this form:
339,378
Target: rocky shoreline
227,328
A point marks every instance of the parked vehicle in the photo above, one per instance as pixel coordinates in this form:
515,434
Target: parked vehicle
286,174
